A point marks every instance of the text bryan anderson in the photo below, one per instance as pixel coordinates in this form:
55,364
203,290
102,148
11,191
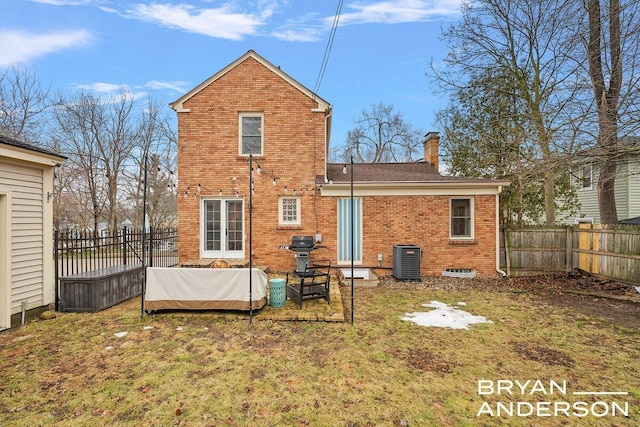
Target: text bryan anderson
515,400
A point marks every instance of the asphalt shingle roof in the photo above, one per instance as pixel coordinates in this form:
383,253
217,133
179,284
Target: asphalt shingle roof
414,172
630,221
15,143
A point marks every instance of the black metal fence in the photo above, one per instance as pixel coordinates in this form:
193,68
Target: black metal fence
83,251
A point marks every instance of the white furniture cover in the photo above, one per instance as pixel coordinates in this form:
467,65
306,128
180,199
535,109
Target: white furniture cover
204,289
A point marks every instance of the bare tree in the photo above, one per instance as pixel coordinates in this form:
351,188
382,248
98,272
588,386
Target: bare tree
79,128
116,148
529,40
97,137
382,135
156,142
23,105
606,81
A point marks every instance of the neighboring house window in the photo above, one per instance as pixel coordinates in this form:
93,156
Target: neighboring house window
587,177
289,211
462,218
251,134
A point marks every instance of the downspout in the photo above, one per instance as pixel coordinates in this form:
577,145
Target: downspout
501,272
327,136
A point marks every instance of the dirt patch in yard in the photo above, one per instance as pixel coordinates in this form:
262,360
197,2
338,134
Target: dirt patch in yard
623,313
587,295
596,298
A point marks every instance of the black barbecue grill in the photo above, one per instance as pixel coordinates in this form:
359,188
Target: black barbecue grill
302,246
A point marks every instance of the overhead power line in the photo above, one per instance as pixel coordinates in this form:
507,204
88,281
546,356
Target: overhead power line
327,50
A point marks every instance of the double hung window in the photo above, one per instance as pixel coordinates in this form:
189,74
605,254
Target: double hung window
461,218
251,134
586,178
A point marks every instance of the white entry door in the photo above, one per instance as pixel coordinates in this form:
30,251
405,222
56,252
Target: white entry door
222,228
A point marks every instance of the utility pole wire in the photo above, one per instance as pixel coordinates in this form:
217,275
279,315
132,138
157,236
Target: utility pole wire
327,50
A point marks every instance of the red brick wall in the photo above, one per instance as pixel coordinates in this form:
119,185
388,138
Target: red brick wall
294,153
422,221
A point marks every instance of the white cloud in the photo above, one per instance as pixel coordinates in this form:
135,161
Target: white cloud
178,86
107,9
64,2
102,87
267,7
297,34
398,11
110,92
222,22
309,28
112,88
305,28
21,46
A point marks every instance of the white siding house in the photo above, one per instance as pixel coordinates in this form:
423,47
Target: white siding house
26,227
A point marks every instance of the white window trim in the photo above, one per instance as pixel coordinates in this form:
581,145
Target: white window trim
581,179
223,252
471,219
280,210
240,116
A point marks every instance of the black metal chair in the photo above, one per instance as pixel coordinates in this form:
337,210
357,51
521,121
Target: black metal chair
312,283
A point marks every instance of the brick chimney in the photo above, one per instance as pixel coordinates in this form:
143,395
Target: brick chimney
431,146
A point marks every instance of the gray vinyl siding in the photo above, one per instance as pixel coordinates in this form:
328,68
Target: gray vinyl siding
27,234
634,190
588,198
622,190
627,192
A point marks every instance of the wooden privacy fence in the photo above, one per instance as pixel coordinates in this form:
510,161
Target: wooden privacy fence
610,252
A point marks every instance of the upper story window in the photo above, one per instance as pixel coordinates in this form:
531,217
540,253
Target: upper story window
289,211
586,179
251,134
462,218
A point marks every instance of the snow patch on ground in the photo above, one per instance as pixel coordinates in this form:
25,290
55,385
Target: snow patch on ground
444,316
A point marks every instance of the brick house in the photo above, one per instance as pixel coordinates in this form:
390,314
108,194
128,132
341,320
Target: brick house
253,107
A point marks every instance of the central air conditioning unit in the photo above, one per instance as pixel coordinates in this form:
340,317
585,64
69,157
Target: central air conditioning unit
406,262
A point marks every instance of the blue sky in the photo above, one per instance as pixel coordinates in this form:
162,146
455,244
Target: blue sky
380,53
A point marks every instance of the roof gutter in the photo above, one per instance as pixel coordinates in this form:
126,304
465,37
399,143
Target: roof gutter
452,188
22,154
